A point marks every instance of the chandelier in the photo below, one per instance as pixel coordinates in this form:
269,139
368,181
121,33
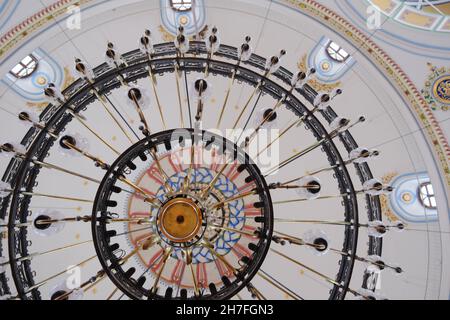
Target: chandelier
188,212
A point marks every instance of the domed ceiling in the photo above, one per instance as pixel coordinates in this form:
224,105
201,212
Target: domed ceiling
239,149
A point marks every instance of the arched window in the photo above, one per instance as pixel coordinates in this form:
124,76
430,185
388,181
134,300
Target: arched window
336,52
427,195
25,68
181,5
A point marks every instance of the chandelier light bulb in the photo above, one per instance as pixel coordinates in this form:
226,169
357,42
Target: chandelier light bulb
11,149
62,292
29,119
321,100
139,95
266,115
375,263
245,51
339,123
274,63
146,44
5,189
318,242
362,155
201,90
83,70
398,226
181,41
73,139
112,57
377,229
213,42
299,80
54,94
375,187
336,92
309,187
41,226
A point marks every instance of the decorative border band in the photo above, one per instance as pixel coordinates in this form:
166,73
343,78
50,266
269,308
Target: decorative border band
14,36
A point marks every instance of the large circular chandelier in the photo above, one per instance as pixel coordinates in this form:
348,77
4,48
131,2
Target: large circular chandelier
189,212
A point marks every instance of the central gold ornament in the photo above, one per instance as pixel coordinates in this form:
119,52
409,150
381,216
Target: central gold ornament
180,220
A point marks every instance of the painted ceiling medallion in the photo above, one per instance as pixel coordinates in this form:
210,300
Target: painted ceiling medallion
437,88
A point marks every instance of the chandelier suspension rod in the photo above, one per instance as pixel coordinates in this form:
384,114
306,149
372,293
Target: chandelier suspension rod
83,123
312,147
147,197
38,254
158,276
213,226
277,285
161,171
155,91
227,95
6,148
234,198
146,130
43,282
103,103
189,262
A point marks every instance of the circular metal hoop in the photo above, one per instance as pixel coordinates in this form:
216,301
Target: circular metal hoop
103,204
23,176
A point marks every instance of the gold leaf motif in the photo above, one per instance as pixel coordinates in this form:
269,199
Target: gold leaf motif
38,106
384,199
68,78
166,35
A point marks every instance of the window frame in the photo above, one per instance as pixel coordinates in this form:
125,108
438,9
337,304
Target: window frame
427,198
182,5
24,66
336,52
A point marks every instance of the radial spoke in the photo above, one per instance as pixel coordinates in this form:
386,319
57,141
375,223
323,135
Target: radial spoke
189,262
233,230
166,256
227,96
336,223
278,285
180,104
155,91
34,194
102,140
256,294
205,193
43,282
306,267
148,198
103,103
43,253
294,124
234,198
55,167
100,275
